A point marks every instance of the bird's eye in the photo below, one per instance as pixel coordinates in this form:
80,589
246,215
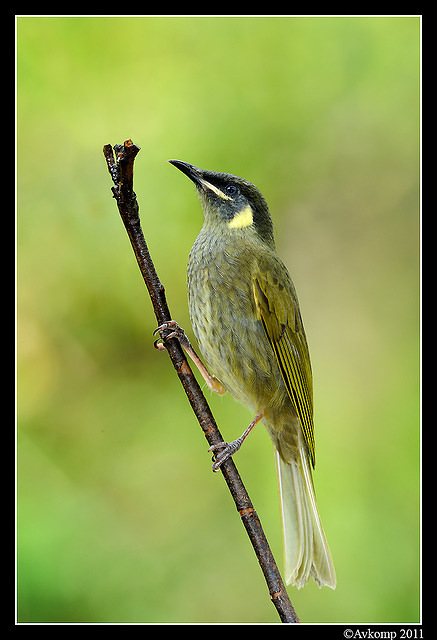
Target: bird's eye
231,189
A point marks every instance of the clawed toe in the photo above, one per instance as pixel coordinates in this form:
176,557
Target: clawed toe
228,450
171,324
177,332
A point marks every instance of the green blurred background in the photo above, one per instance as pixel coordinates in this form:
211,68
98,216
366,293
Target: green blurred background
119,516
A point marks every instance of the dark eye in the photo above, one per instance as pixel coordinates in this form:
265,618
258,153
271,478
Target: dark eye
231,189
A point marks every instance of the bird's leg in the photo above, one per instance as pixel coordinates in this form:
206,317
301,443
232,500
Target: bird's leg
179,333
228,449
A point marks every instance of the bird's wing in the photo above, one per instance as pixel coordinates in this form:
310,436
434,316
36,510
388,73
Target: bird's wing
278,309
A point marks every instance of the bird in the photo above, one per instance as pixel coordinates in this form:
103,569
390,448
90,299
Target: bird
245,316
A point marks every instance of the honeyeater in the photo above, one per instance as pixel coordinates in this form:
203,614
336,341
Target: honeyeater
245,315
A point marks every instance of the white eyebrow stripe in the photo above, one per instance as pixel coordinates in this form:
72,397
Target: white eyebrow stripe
214,189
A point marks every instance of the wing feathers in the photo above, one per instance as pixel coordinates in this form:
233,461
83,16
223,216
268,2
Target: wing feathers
279,313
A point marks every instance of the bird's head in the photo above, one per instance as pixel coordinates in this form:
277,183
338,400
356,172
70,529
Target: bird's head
230,203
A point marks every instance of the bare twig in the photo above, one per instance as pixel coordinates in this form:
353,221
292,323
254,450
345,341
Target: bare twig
120,167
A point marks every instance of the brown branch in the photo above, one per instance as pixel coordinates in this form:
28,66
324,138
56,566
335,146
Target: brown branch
120,167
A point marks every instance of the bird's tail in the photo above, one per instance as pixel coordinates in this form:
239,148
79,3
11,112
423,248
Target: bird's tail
306,550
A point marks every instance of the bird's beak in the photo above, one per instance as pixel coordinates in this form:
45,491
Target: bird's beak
190,170
196,175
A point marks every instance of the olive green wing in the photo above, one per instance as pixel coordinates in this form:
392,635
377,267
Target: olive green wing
278,309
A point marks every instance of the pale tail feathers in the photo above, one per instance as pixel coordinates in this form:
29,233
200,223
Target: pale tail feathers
306,551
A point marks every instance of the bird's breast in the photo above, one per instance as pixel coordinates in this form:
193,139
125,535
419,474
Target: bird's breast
225,322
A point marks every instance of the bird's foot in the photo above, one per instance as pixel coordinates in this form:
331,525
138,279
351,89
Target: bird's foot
177,332
227,450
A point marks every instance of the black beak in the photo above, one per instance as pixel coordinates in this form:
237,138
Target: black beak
190,170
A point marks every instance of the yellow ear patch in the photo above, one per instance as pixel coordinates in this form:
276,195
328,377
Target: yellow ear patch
242,219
